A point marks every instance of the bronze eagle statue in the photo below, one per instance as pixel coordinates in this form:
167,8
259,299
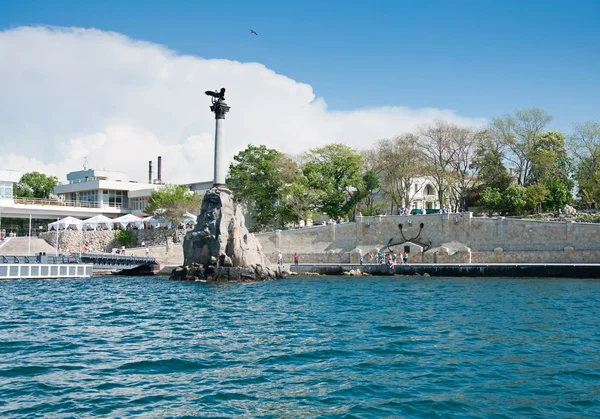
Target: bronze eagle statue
219,95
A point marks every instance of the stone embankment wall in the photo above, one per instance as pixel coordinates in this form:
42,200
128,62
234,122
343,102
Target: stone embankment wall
105,240
481,240
455,238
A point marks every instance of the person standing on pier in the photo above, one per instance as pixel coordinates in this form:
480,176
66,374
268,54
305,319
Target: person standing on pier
296,259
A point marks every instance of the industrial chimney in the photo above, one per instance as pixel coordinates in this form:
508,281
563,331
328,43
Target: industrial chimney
150,171
159,170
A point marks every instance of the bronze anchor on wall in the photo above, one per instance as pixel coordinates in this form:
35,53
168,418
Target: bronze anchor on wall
413,240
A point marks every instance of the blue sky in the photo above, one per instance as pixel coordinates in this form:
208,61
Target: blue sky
480,58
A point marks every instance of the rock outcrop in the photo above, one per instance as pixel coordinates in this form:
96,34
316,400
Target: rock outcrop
220,247
197,272
569,210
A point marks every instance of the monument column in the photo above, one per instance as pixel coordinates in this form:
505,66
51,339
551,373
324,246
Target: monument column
220,108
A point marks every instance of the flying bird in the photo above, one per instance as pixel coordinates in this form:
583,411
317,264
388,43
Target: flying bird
252,31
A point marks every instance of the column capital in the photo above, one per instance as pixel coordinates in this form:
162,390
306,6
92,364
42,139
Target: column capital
219,108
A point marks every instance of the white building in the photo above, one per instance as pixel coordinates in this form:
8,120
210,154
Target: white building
111,192
7,179
424,194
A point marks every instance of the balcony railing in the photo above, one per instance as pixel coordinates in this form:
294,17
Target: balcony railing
65,203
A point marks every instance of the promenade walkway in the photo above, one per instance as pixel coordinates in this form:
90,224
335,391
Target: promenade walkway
507,270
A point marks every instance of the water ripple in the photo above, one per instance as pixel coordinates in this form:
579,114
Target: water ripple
301,347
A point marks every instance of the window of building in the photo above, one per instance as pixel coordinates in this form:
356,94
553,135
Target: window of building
116,199
88,196
6,190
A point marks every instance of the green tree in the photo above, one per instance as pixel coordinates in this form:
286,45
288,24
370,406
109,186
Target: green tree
371,186
397,163
35,185
437,144
551,167
490,199
172,201
335,171
463,178
520,135
514,200
584,144
299,199
559,193
365,193
125,237
257,178
535,195
489,165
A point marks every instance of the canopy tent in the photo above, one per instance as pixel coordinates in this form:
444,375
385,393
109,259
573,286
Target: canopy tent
98,220
66,223
128,219
157,221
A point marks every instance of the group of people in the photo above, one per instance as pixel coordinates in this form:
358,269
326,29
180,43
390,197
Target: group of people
390,259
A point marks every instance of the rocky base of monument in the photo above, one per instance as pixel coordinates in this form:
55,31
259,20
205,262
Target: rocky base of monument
220,248
197,272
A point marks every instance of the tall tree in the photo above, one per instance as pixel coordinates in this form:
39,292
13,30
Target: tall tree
365,192
514,200
584,145
335,170
535,195
520,134
439,153
551,167
35,185
300,199
257,178
172,202
465,143
398,163
488,163
490,198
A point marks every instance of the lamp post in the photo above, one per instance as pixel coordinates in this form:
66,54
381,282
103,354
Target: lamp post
29,240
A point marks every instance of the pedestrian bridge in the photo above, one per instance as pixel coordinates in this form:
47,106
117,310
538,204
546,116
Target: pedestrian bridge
110,261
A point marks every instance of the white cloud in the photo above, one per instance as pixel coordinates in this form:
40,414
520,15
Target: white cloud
71,93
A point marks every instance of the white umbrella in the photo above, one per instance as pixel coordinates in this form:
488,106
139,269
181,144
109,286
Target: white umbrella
66,223
125,220
97,220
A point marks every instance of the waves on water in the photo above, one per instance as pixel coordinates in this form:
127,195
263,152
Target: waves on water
301,347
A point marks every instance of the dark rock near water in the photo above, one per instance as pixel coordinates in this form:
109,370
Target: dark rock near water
197,272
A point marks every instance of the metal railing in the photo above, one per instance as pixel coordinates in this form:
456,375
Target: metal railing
115,260
46,259
65,203
94,258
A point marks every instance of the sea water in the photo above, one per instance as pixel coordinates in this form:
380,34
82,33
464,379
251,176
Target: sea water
302,347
